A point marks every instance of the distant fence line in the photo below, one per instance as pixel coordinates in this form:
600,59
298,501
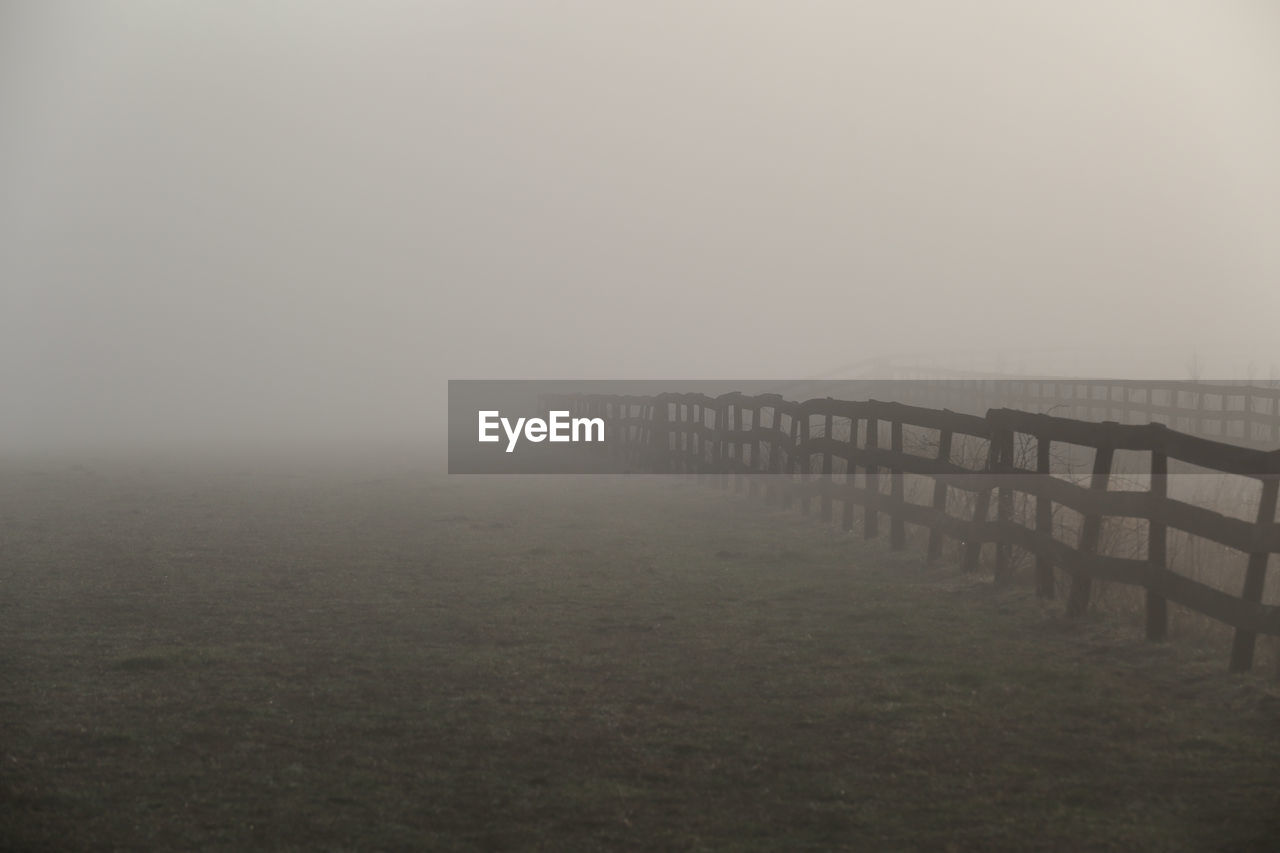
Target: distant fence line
788,457
1238,413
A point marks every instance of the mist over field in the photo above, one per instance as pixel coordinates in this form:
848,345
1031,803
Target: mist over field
260,261
290,225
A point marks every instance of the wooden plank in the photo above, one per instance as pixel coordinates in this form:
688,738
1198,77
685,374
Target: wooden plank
846,501
871,511
1220,456
1216,604
681,435
1072,431
1255,579
981,504
740,440
1219,605
1118,569
1081,582
803,457
722,446
959,476
772,491
1045,587
827,466
753,459
938,520
699,439
767,434
944,419
792,461
1244,536
1002,442
939,496
897,524
1157,546
670,432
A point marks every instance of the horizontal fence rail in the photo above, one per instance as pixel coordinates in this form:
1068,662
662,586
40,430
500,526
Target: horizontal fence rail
1239,413
787,452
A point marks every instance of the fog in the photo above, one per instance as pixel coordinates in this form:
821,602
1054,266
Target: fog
293,222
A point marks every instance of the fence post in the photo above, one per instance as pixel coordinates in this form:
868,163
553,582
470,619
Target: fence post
1273,428
634,432
981,505
1090,533
729,450
871,510
721,446
1157,542
1044,520
1255,576
696,441
742,473
681,450
897,523
628,434
827,466
850,470
756,469
610,428
690,439
659,443
1247,424
793,462
639,450
939,496
620,431
1004,500
803,458
771,485
696,417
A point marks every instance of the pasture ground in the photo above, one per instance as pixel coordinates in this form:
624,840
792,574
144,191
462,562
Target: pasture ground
222,660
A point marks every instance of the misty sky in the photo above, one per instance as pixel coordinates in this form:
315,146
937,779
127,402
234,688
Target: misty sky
224,220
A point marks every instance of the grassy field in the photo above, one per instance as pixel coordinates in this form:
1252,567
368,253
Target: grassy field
231,660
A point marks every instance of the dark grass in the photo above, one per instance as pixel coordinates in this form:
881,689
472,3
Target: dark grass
413,662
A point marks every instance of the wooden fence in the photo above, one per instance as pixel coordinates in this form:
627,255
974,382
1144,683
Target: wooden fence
1237,413
786,452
